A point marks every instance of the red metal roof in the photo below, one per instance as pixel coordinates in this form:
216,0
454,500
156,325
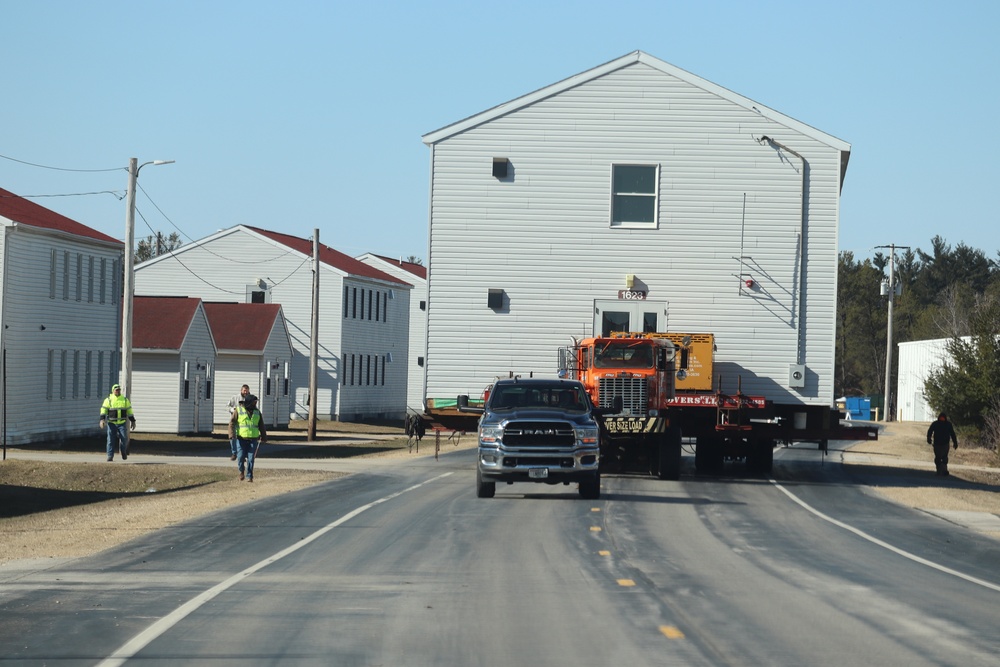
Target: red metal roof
241,326
328,255
25,212
419,270
161,322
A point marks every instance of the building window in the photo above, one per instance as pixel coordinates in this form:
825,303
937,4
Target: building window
104,278
86,374
62,374
90,280
79,277
50,374
633,195
345,301
257,295
100,370
53,262
65,275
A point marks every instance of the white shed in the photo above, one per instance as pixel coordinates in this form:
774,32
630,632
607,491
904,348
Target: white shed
917,360
363,313
416,274
634,196
173,355
60,315
253,349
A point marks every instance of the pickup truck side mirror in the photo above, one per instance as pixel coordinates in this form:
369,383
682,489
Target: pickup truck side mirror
463,405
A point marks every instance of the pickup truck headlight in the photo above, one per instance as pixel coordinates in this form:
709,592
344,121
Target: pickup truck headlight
587,435
490,434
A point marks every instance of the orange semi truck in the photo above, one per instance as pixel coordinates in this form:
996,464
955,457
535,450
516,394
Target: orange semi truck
657,390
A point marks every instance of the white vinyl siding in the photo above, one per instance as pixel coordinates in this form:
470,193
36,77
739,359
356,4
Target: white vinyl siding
164,398
69,344
917,360
220,267
417,332
727,205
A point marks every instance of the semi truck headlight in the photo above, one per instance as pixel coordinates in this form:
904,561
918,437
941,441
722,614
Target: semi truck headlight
491,434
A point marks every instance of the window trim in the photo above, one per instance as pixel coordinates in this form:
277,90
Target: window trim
655,195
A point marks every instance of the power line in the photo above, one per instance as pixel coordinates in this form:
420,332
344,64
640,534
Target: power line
44,166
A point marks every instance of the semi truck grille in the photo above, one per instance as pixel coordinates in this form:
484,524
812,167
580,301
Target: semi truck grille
632,391
539,434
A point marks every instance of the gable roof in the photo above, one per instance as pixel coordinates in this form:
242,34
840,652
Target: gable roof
419,270
22,211
621,63
241,326
329,256
162,322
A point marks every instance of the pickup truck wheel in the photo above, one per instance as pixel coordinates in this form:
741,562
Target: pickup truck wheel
591,489
484,489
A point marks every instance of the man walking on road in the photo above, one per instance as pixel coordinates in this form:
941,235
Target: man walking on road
247,426
115,411
940,434
234,403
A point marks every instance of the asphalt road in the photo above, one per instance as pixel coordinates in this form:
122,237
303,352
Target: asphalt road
403,565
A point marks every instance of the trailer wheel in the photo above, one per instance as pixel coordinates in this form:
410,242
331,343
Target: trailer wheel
484,489
761,457
591,489
708,455
669,455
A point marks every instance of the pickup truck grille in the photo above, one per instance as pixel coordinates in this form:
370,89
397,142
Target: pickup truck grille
632,390
539,434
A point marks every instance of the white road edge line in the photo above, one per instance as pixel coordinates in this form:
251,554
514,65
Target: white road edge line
885,545
144,638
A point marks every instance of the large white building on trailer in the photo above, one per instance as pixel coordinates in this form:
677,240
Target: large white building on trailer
363,313
634,196
60,322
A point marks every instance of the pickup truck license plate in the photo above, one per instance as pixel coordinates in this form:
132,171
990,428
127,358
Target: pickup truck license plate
538,473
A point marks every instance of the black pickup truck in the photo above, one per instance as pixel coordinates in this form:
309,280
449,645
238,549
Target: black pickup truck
536,430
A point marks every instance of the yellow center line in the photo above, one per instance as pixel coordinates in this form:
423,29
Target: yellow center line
595,529
670,632
603,553
626,582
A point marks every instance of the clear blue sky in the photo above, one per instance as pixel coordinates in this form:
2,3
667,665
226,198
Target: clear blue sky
299,115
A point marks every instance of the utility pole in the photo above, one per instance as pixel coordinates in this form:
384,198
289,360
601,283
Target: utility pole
128,291
890,291
314,341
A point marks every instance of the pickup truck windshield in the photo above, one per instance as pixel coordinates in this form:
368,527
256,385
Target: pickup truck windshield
558,397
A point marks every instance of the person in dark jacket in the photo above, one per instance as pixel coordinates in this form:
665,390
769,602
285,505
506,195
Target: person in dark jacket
940,434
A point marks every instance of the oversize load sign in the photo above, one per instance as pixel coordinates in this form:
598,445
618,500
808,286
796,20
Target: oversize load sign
635,424
714,400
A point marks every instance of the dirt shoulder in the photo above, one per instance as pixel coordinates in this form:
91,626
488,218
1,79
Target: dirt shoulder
77,504
73,503
900,466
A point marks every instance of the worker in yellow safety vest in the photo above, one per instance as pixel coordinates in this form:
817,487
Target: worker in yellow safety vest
115,412
247,426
